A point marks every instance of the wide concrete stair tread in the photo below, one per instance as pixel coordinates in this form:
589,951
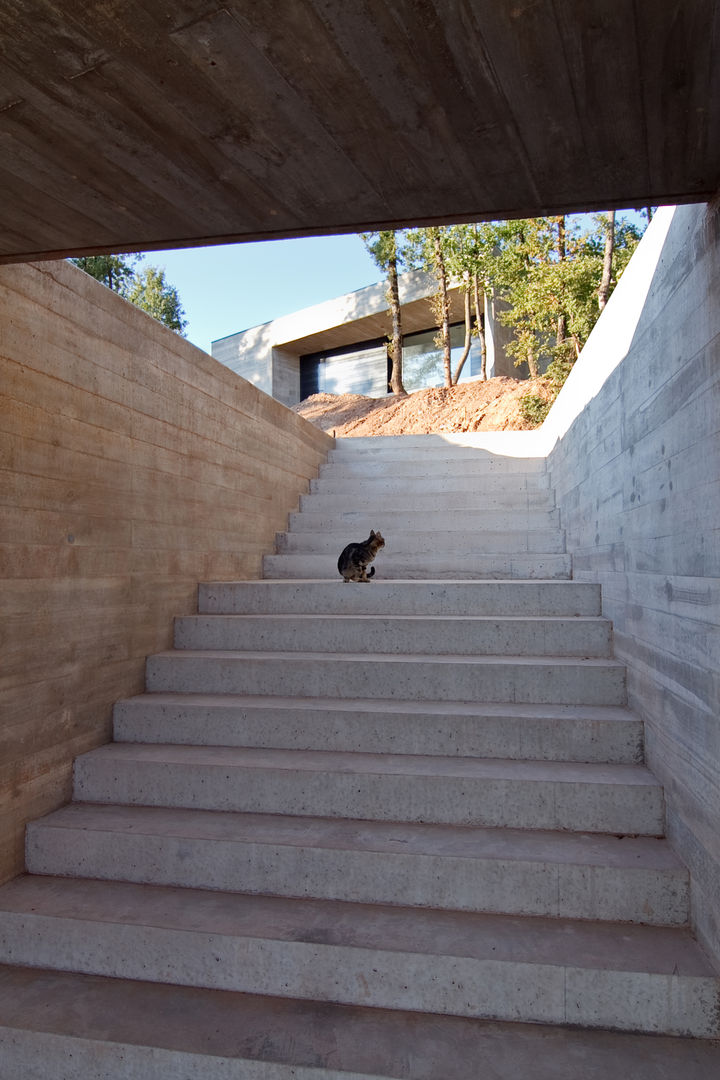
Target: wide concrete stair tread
449,790
53,1022
478,446
540,732
468,964
532,507
409,597
498,490
359,764
484,567
401,463
415,677
445,458
334,479
400,634
517,871
491,469
536,541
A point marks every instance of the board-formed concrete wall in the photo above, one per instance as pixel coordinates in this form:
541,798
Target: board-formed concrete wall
132,466
637,475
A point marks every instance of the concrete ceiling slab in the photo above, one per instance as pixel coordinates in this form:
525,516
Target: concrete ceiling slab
127,125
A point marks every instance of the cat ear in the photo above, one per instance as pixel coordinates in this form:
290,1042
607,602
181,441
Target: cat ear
372,533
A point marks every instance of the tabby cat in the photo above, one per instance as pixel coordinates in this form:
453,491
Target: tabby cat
353,561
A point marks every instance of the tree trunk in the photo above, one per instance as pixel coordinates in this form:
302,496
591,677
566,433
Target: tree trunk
480,324
604,289
468,332
532,364
561,333
443,306
396,357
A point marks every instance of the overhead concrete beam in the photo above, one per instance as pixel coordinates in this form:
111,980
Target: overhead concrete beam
131,126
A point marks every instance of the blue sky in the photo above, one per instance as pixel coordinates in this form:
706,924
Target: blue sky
232,287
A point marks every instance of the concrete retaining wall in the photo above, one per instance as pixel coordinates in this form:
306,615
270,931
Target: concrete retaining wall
637,475
132,466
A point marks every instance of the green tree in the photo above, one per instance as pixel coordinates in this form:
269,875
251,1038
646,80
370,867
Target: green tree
557,274
383,248
150,291
114,271
553,272
146,288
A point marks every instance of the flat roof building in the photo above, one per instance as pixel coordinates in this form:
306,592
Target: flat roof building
340,345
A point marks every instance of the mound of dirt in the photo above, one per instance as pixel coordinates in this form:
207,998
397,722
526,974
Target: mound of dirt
493,405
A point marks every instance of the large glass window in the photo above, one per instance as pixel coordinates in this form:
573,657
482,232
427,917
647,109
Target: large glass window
423,360
364,368
359,369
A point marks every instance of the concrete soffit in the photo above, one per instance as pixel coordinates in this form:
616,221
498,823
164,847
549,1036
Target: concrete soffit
346,320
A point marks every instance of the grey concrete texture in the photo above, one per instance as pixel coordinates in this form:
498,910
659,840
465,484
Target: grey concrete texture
430,458
488,472
535,507
114,1029
479,446
441,634
527,680
583,974
457,791
400,598
535,732
334,480
498,566
330,535
637,475
513,871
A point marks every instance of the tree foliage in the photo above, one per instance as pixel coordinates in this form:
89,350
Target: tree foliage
151,292
114,271
555,274
550,270
146,287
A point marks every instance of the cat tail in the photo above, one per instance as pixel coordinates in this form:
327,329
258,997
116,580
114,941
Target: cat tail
371,571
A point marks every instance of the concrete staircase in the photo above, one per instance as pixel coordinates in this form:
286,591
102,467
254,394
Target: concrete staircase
395,832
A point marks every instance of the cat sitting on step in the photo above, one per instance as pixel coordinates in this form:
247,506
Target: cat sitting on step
354,559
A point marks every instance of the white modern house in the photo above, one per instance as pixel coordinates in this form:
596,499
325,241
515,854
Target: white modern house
340,346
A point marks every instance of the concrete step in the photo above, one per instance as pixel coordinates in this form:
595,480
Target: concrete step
391,567
535,732
378,787
583,974
500,449
528,680
495,486
339,519
510,871
400,598
405,542
442,635
536,508
88,1027
484,469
